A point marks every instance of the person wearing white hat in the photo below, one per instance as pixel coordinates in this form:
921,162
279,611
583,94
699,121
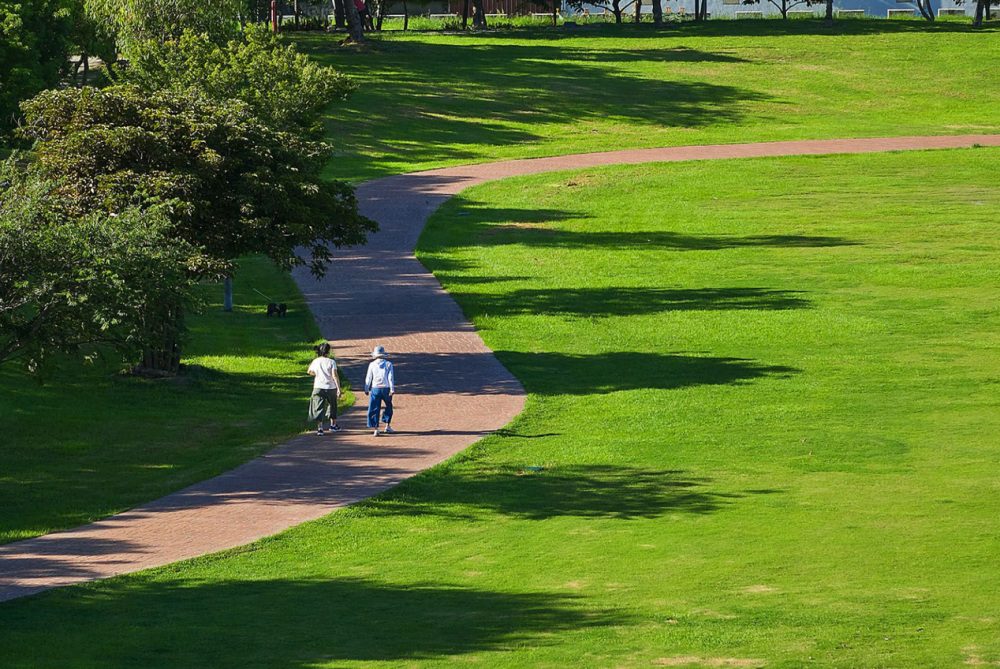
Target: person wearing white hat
380,386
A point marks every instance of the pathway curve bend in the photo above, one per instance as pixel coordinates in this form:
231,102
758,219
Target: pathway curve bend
452,389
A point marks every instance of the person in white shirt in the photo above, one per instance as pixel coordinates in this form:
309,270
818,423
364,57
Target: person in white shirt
326,389
380,386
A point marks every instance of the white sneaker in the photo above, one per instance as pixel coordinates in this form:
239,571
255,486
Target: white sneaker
388,430
375,433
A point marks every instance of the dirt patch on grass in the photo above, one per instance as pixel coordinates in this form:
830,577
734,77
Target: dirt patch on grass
758,590
689,660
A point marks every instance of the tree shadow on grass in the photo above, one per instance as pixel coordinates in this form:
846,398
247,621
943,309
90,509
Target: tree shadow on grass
602,302
484,87
535,493
482,225
569,374
301,622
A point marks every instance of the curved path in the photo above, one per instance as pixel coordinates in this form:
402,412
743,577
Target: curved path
452,390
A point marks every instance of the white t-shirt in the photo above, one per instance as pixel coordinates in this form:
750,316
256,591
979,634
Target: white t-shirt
325,370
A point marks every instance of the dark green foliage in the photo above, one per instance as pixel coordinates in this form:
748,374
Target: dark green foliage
71,284
284,88
34,44
232,185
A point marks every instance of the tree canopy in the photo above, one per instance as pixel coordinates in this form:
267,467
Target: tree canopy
283,87
135,21
231,185
34,45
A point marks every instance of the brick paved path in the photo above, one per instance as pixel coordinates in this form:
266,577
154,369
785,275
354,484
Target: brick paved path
452,390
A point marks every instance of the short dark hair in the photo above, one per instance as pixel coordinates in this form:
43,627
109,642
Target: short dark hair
323,350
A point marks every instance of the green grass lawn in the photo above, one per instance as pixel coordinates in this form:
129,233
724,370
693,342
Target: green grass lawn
428,99
761,431
90,442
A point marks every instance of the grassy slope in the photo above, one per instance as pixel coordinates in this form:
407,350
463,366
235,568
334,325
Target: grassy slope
764,398
428,100
90,442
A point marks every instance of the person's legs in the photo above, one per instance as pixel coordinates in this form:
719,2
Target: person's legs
331,412
387,414
317,410
333,409
374,408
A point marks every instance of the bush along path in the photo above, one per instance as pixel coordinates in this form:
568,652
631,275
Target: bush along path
451,389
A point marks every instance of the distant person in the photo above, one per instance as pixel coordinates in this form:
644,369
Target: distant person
326,390
380,386
364,14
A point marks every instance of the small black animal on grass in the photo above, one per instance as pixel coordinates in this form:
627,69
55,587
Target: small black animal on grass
279,309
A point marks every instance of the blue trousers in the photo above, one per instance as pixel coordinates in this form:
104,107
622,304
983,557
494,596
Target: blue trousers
377,397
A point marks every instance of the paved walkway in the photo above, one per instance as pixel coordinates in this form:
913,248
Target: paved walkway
452,390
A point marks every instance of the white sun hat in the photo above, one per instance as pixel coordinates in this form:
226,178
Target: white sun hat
378,352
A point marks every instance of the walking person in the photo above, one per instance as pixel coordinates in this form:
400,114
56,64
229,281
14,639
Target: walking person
326,390
380,386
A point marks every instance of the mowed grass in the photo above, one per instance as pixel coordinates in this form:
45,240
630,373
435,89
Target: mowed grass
91,442
761,431
428,100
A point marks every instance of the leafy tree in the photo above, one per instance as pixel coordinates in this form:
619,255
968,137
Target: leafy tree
134,22
284,88
231,185
70,284
34,47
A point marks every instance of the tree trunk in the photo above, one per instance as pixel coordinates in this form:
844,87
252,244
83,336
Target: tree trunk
616,9
465,15
164,359
637,11
86,68
784,9
295,12
926,9
406,16
829,12
338,13
478,14
380,15
657,13
977,21
355,31
555,13
227,294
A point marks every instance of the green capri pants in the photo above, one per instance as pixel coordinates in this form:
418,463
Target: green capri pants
323,404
